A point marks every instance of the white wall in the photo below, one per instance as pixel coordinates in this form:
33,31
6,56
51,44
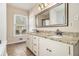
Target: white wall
3,24
3,29
31,23
73,25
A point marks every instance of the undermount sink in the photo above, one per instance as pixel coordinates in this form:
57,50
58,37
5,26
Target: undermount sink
56,37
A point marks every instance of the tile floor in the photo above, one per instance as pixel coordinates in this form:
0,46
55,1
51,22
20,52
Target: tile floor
18,49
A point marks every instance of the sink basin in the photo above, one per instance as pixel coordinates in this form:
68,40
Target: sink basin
56,37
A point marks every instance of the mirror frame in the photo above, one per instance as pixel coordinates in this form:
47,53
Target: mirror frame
56,25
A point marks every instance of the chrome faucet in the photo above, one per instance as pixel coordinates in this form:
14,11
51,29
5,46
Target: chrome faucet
58,32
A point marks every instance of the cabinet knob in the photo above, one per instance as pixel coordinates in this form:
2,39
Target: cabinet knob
49,50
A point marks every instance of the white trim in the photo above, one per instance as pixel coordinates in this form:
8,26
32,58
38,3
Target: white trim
15,23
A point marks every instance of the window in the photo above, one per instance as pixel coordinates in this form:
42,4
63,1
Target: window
20,25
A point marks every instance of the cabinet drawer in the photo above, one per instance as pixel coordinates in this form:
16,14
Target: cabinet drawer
50,47
35,49
35,52
35,39
35,44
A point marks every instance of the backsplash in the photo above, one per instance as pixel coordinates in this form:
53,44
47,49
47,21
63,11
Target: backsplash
74,34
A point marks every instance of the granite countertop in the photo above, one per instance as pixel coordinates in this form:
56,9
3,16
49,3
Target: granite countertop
65,39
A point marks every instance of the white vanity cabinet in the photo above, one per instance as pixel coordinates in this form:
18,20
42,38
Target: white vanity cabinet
32,43
49,47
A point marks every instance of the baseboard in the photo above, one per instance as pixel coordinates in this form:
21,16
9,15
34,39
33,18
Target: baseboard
16,43
30,51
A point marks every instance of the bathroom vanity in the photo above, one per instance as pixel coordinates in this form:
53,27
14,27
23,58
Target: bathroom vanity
44,45
47,44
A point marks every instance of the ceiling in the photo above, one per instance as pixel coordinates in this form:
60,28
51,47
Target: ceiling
25,6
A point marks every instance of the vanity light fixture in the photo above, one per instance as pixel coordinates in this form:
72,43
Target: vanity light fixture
46,4
41,6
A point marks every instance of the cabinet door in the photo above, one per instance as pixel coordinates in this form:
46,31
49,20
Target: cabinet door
29,42
58,48
43,47
49,47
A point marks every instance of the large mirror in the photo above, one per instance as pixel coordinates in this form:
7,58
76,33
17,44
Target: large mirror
56,16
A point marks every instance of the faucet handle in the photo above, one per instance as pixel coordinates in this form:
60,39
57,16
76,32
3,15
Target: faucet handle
58,32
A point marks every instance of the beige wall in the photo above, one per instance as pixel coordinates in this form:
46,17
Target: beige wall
11,11
73,25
